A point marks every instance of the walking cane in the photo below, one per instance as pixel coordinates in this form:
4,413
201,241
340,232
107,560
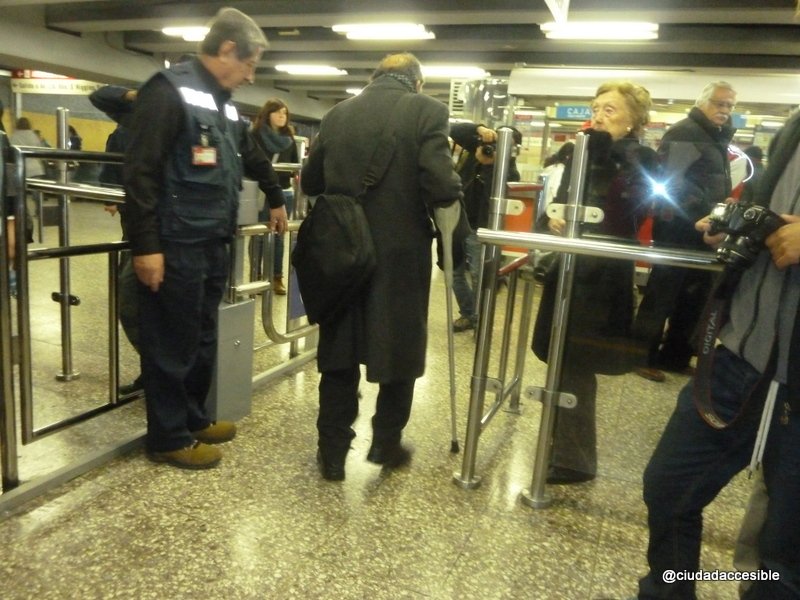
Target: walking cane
446,220
763,429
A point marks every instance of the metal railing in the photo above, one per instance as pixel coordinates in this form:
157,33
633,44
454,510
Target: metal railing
17,349
481,382
549,395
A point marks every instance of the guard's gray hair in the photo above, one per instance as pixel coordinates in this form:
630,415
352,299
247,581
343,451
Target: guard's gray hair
233,25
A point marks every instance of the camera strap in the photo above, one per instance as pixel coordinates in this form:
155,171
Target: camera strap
715,315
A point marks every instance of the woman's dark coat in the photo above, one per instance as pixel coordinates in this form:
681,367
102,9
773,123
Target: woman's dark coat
619,180
387,328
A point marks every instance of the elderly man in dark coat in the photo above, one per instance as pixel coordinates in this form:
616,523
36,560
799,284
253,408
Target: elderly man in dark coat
694,155
386,327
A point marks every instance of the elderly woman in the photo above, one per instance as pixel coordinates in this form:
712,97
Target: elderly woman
601,312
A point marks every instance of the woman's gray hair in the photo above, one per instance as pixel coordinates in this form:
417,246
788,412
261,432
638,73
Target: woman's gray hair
233,25
709,90
637,99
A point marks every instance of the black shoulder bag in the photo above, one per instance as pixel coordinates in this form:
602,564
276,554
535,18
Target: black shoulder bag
334,256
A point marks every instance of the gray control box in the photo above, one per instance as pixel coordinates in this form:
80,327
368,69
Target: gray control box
230,396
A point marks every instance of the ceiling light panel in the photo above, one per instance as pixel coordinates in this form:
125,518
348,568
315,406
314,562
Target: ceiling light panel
384,31
310,70
189,34
453,72
600,30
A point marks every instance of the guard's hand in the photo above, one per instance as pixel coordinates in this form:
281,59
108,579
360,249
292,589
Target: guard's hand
556,226
110,209
149,268
278,220
784,244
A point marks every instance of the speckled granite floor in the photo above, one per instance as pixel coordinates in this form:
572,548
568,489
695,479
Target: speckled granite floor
264,525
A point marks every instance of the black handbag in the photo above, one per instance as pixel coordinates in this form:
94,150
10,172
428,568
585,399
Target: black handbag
334,257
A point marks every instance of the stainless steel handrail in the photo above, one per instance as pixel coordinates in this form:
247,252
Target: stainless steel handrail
8,428
490,262
265,288
78,190
695,259
536,496
62,252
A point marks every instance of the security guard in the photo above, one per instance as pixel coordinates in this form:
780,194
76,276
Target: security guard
183,172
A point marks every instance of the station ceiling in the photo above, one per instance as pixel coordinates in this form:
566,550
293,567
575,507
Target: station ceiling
755,36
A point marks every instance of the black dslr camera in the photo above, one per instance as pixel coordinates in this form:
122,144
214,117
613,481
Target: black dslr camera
746,226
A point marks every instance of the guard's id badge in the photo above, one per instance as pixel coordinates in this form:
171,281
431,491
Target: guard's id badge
204,156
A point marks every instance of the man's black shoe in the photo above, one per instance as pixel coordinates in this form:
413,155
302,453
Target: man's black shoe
331,470
391,456
132,388
564,476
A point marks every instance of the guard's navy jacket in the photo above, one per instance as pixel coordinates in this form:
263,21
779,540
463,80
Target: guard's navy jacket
203,151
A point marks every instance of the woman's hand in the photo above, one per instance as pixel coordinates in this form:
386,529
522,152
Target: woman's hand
556,225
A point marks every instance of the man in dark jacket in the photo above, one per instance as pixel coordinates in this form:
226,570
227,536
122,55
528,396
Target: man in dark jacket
386,328
694,157
183,172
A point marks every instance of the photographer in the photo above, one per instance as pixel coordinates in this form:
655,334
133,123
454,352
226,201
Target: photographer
475,166
760,343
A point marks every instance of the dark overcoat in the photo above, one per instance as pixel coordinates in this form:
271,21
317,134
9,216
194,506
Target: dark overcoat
386,328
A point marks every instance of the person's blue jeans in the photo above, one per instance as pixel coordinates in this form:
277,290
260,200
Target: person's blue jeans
464,292
693,462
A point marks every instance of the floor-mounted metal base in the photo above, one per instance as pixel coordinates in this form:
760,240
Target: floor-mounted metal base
528,500
68,376
467,484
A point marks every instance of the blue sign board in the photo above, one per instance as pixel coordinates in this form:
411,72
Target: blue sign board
573,112
738,121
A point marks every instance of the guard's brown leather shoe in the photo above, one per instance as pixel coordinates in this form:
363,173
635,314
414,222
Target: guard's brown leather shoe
196,456
277,286
216,433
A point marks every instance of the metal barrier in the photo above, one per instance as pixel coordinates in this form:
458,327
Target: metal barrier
17,350
550,396
491,257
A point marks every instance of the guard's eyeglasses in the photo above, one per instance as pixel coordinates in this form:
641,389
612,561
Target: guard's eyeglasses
723,104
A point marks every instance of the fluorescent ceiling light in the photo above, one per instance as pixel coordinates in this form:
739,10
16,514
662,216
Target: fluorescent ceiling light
384,31
771,124
453,72
600,30
310,70
354,91
189,34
